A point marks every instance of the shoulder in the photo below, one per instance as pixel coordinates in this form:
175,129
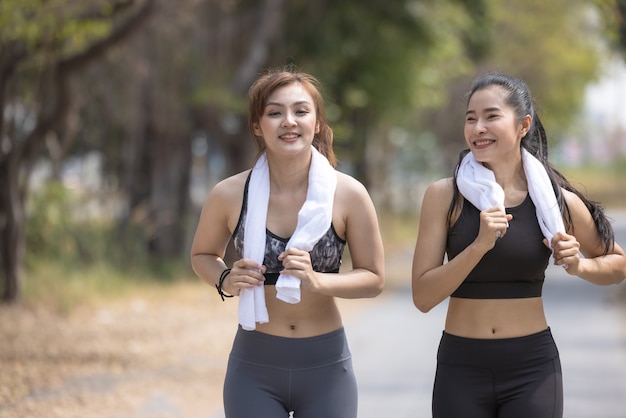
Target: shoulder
226,197
436,202
348,185
440,191
575,204
230,187
578,211
350,191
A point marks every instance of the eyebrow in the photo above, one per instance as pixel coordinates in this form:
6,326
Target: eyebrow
298,103
489,109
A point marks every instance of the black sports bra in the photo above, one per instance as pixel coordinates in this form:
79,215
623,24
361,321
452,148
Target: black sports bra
326,255
514,267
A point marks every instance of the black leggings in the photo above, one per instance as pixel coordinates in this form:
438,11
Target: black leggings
502,378
271,376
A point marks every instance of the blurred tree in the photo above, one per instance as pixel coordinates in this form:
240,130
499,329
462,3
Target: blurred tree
184,77
381,62
621,19
613,15
384,64
42,45
552,45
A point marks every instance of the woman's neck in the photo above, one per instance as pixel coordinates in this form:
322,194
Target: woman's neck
291,175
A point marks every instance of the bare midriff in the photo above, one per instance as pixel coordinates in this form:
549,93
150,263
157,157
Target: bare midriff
313,315
495,318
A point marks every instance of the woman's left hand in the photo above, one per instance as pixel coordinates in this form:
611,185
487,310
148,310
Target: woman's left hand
297,263
566,251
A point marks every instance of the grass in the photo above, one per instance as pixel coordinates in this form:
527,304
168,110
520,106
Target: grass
60,288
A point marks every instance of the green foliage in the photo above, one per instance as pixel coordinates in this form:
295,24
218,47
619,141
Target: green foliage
613,21
389,56
553,46
61,230
48,26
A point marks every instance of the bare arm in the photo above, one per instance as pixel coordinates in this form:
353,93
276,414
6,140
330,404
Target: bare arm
354,215
217,222
583,238
432,280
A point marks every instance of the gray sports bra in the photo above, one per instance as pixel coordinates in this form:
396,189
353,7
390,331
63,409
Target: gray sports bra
326,255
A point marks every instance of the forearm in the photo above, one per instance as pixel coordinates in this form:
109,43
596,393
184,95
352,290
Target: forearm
208,267
353,284
435,285
603,270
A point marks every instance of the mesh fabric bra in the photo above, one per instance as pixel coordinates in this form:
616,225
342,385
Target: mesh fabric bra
326,255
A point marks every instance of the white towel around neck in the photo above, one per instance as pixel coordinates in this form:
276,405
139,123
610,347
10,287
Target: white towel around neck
314,219
478,185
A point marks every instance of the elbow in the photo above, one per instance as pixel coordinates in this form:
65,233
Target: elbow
193,258
378,287
420,300
422,305
620,279
196,264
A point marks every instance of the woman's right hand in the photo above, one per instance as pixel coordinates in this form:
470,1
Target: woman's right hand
493,226
244,274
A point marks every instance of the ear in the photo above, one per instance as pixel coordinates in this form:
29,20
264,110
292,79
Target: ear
317,127
525,125
257,130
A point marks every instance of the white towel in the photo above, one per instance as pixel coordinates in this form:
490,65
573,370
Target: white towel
314,219
251,307
478,185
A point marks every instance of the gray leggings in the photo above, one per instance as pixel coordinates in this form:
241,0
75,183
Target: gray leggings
271,376
501,378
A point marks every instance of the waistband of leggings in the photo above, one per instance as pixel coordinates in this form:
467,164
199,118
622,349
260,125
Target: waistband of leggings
497,353
290,353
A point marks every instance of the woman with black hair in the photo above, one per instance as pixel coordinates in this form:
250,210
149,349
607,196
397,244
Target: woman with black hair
498,220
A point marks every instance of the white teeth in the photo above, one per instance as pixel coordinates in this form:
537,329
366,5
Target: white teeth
485,142
289,136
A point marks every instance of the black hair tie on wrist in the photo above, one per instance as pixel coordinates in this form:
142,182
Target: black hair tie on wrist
218,286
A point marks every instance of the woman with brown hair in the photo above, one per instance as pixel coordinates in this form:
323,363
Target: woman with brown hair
290,217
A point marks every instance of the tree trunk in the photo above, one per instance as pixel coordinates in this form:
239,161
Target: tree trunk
169,198
11,230
16,163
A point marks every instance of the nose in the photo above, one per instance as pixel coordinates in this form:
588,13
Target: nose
289,119
479,126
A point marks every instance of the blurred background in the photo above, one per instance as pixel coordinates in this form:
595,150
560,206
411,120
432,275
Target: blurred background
118,116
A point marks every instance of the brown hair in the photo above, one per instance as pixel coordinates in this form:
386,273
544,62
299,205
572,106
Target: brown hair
273,79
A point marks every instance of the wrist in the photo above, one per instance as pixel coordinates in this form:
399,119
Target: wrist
220,284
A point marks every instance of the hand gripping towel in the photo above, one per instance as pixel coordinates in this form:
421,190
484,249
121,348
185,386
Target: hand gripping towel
478,185
314,219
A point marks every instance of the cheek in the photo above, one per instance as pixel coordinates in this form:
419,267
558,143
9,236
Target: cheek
263,126
467,131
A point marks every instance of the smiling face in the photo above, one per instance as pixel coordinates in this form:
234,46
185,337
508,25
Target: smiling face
289,120
492,129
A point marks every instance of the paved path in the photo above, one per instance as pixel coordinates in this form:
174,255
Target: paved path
394,348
